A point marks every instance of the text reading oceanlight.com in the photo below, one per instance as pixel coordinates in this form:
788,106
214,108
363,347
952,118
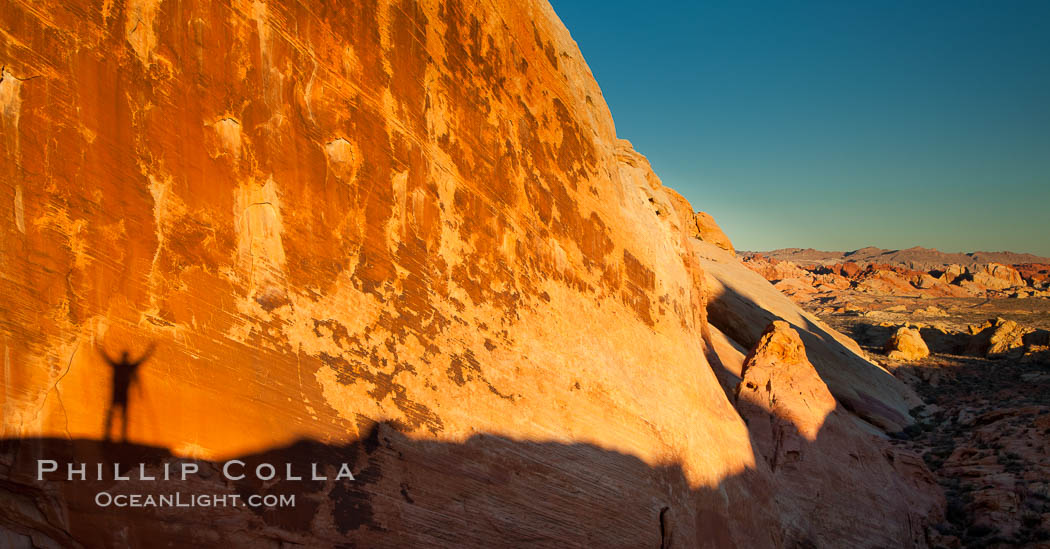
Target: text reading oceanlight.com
179,499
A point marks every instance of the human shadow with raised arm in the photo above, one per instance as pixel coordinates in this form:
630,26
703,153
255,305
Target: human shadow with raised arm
124,375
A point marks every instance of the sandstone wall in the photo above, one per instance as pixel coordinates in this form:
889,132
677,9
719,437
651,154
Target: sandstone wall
328,215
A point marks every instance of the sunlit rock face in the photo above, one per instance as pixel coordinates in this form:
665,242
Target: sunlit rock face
330,215
805,445
417,213
709,231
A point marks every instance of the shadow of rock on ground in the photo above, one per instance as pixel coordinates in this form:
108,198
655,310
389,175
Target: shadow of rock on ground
487,491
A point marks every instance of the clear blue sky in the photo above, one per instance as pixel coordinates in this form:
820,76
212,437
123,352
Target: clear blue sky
837,125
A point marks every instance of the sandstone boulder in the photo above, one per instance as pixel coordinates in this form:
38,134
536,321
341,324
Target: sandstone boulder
952,272
906,344
798,429
778,377
925,281
709,231
848,269
999,339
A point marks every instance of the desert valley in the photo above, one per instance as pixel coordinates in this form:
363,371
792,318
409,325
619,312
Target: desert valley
971,334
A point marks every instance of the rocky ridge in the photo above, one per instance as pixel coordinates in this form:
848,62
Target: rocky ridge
916,258
881,279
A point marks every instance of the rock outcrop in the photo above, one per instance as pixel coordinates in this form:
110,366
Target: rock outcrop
799,431
404,236
907,344
997,338
742,303
1035,274
709,231
997,277
775,271
779,380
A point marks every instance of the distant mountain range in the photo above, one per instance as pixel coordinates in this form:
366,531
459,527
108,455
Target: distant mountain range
916,257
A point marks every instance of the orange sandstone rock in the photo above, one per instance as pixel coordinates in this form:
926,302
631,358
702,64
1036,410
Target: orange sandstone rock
999,338
799,431
778,377
401,234
997,277
709,231
907,344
